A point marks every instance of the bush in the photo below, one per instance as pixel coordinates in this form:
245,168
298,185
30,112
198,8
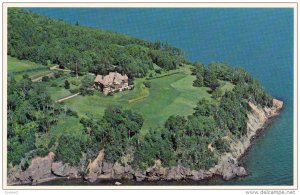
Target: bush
69,149
222,146
45,79
75,90
54,84
58,74
71,113
217,93
67,84
74,82
158,71
147,84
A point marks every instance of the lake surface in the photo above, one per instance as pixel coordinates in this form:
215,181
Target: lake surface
259,40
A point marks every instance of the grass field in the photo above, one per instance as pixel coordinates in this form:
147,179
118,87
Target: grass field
58,91
169,95
21,67
15,65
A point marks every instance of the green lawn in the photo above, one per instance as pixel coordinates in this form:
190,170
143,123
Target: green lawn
21,67
15,65
57,92
170,95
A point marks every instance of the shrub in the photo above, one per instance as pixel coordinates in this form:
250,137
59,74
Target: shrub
54,84
58,74
158,71
74,82
147,84
199,81
71,113
45,79
67,84
69,149
75,90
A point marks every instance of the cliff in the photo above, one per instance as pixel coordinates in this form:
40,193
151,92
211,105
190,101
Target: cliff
43,168
228,164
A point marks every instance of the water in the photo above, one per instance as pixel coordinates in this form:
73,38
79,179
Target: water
259,40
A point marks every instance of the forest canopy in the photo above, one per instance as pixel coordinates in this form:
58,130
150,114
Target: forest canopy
43,40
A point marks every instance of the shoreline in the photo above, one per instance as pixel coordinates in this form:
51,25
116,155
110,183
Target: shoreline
227,168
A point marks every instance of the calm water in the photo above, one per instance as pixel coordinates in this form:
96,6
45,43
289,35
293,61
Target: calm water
259,40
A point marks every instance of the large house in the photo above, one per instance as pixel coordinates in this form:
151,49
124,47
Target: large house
112,82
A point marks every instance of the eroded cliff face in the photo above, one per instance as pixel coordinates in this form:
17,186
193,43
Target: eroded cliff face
40,170
43,168
228,166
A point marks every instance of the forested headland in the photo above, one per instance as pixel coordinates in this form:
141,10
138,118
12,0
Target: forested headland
194,140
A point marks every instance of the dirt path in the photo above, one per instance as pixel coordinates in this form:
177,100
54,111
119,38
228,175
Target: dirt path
66,98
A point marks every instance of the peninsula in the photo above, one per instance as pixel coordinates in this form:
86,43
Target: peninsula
98,105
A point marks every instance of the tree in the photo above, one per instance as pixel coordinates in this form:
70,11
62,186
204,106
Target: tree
147,84
87,84
205,108
69,149
199,80
217,93
67,84
45,79
198,68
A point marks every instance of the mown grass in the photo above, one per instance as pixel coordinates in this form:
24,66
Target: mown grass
21,67
56,87
169,95
15,65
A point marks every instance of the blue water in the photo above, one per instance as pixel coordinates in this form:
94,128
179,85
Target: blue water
259,40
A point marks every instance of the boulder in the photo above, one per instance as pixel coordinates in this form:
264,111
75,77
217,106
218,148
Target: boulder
178,173
233,171
153,178
60,169
139,176
277,104
128,169
118,171
239,171
107,167
199,175
118,183
156,170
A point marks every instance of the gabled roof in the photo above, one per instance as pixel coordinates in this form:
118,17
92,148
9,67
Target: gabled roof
112,77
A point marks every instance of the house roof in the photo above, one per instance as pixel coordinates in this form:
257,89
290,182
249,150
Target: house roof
112,77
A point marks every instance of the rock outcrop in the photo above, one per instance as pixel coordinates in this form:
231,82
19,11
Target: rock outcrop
228,166
40,170
64,170
94,168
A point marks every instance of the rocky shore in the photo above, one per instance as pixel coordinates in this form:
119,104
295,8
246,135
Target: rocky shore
44,169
